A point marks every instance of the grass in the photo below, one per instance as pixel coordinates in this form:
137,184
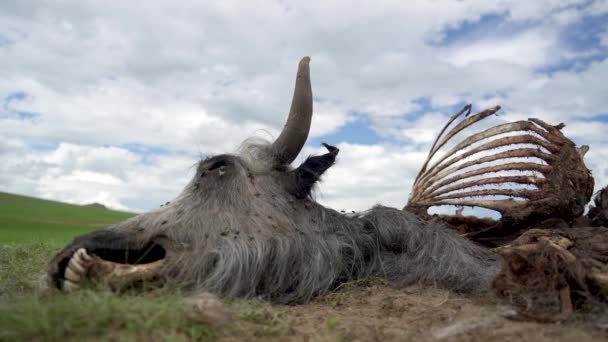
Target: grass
26,219
29,313
267,321
21,267
33,230
100,315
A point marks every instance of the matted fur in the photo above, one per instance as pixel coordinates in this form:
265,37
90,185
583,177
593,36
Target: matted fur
235,231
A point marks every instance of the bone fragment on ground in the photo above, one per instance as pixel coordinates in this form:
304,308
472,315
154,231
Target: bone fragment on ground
206,308
465,326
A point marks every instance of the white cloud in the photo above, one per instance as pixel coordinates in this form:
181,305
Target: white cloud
424,130
199,77
529,49
598,7
366,175
564,96
328,118
535,10
83,174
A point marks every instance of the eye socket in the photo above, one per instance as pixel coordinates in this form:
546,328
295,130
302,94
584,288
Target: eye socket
217,164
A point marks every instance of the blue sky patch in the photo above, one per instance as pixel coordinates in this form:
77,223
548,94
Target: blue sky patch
4,41
44,146
584,37
356,132
426,106
573,65
145,149
26,115
585,34
17,96
492,25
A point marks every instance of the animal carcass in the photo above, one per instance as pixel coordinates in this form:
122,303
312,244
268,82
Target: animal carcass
246,225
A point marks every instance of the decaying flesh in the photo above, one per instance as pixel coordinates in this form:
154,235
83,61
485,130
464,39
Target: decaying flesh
548,273
547,176
246,225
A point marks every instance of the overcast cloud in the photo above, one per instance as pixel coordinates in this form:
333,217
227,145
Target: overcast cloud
114,101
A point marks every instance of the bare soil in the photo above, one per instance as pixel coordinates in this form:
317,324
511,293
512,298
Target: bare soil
378,312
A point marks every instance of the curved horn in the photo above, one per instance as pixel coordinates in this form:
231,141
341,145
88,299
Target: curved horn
294,134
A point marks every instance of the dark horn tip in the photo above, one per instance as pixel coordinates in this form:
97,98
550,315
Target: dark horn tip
330,148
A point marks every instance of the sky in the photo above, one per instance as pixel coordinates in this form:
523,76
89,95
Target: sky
116,101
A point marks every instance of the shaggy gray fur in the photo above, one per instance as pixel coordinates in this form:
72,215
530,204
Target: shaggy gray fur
246,225
236,232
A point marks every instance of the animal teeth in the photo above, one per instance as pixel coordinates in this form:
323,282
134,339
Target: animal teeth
70,286
75,265
72,275
84,255
76,269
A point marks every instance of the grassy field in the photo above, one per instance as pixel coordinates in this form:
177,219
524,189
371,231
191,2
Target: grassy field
25,219
32,230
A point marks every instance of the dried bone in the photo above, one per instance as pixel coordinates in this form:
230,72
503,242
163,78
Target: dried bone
206,308
559,186
83,267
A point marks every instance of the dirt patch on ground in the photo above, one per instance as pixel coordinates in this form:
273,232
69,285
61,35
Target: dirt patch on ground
378,312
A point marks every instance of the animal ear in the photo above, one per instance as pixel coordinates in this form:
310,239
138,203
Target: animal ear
306,175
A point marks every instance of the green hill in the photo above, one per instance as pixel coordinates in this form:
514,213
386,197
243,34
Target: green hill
29,219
